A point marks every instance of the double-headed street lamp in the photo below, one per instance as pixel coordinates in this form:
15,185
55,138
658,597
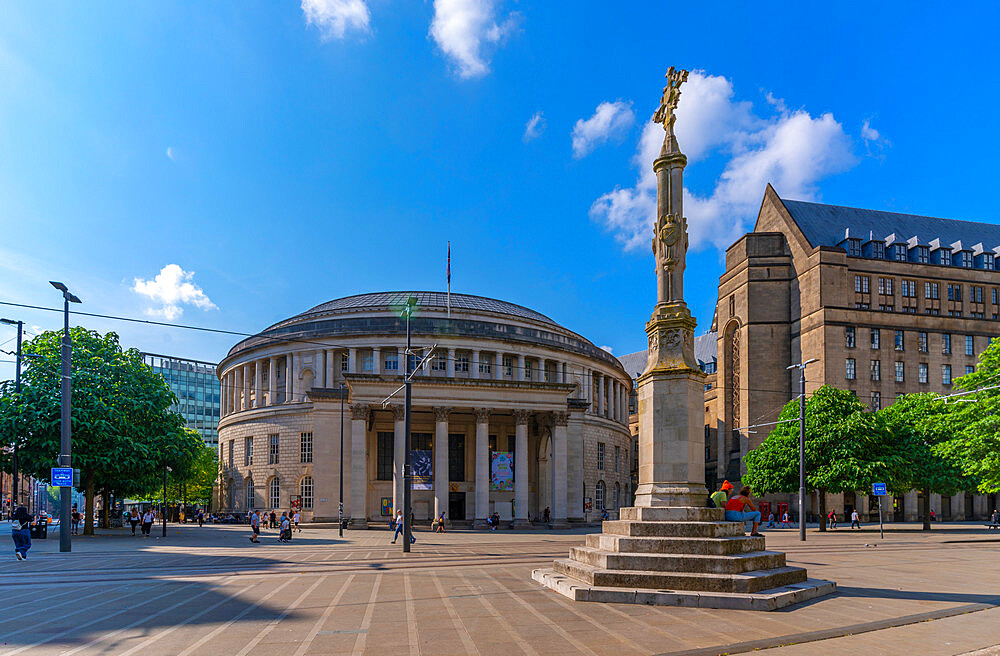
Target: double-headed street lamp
340,508
65,433
802,444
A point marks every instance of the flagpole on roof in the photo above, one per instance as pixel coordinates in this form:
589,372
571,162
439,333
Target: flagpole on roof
449,280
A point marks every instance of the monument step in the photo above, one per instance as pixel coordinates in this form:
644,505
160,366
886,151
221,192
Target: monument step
694,563
766,600
646,579
686,529
717,546
672,514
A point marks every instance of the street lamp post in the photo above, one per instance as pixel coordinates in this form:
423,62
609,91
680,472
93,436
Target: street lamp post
802,444
407,396
340,507
164,514
65,432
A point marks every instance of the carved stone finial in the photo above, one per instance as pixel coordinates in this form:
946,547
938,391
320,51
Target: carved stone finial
360,412
522,416
482,415
560,418
668,102
398,412
441,414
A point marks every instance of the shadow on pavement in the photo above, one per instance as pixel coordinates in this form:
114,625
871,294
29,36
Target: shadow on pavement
991,599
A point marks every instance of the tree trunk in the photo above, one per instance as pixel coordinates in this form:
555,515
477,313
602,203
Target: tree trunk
822,508
106,516
926,508
88,483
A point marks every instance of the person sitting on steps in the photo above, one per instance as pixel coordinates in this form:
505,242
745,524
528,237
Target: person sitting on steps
735,510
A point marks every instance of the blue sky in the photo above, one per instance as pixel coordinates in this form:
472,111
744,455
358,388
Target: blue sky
282,154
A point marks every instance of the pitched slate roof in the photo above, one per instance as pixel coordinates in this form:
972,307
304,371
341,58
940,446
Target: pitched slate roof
828,225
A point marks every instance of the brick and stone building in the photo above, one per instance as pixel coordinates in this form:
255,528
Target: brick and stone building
502,378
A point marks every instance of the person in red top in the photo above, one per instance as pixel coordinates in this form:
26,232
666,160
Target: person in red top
735,510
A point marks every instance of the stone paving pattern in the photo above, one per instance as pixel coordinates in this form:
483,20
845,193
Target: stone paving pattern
209,591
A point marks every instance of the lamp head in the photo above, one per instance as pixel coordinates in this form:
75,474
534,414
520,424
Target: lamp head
74,299
58,285
9,322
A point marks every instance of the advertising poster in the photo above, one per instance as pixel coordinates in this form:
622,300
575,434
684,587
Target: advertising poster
387,506
422,466
502,472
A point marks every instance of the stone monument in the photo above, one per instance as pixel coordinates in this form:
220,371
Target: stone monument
670,548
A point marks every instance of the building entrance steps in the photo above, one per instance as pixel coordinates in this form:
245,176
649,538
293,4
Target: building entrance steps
685,556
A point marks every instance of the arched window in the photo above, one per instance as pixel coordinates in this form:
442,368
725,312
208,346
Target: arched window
274,493
231,494
618,492
599,495
306,492
250,492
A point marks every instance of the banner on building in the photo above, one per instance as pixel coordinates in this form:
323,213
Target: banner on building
502,471
422,466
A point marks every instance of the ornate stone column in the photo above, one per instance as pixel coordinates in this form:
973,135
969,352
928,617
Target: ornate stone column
519,374
272,380
560,423
482,466
376,360
521,418
441,462
258,384
247,383
599,378
474,373
399,456
450,367
358,508
289,377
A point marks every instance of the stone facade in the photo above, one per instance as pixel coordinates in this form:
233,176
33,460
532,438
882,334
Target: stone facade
503,379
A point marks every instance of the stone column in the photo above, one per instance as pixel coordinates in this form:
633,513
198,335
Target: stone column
958,507
910,506
482,466
936,505
474,373
450,369
247,384
223,391
560,423
521,418
574,466
289,377
237,389
441,462
562,371
498,369
600,394
519,374
358,508
399,456
258,384
272,380
352,361
319,367
376,360
331,367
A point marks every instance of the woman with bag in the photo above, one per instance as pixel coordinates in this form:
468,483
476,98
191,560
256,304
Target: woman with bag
21,532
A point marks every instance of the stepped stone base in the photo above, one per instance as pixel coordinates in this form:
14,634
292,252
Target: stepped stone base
680,556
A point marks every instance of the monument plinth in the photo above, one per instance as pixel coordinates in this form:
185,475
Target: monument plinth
670,549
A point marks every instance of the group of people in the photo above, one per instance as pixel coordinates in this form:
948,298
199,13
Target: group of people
736,506
288,522
831,519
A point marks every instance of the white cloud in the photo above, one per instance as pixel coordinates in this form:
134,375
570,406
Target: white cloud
172,288
608,349
465,30
534,127
170,153
611,120
875,142
790,149
335,17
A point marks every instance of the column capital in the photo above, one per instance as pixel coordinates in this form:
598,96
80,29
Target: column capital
398,412
441,413
360,411
482,415
522,416
560,418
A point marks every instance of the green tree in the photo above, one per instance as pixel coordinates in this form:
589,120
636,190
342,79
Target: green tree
191,476
845,450
123,430
918,425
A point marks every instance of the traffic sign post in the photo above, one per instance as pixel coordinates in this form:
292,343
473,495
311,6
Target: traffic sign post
61,477
878,489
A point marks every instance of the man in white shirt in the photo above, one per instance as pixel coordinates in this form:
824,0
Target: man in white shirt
255,526
855,519
147,522
295,519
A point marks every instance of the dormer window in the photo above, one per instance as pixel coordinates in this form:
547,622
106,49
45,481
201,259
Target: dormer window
854,247
944,256
965,259
988,261
921,254
899,252
878,250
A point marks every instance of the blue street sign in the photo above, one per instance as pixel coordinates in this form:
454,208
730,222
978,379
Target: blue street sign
878,489
62,477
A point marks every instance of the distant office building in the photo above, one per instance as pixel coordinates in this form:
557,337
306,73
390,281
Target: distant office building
197,389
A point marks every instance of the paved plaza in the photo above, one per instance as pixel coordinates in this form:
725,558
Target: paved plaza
209,591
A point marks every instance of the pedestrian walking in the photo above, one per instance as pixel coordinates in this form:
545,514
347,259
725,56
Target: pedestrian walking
201,518
736,510
274,520
439,524
855,519
770,520
21,532
133,520
546,516
399,528
296,519
147,522
75,518
933,516
784,520
832,517
255,527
